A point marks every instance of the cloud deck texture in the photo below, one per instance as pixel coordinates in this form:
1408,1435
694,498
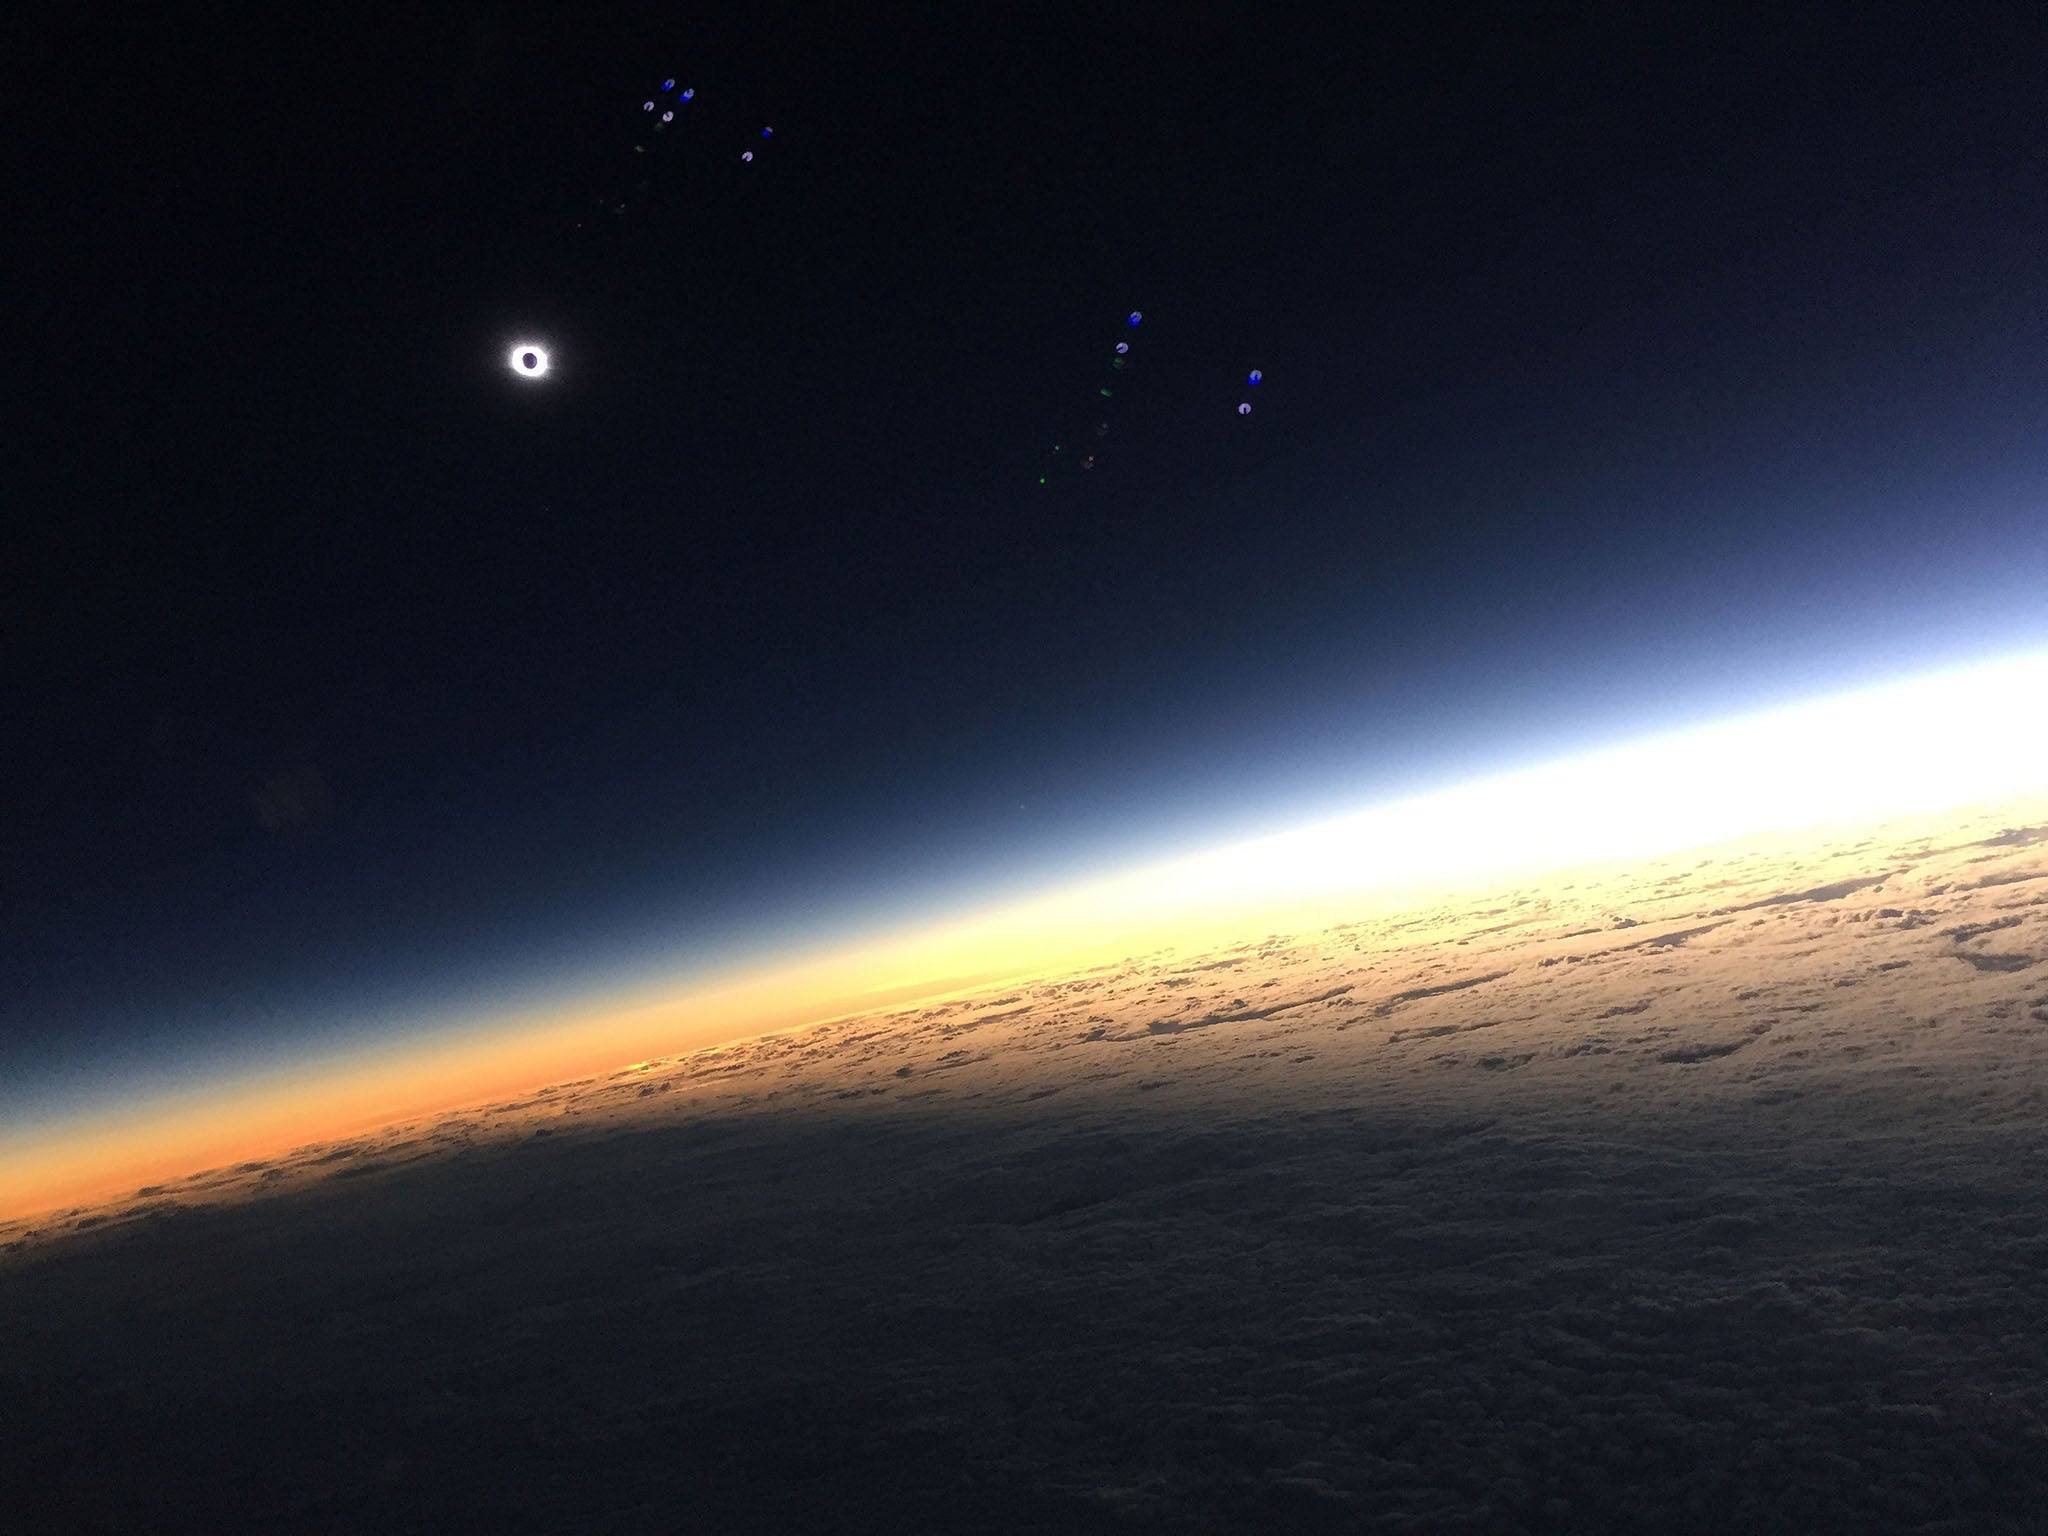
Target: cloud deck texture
1704,1195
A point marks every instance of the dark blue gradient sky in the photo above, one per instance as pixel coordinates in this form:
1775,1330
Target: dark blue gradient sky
1619,372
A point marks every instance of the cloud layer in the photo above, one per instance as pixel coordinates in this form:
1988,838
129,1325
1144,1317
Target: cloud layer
1694,1196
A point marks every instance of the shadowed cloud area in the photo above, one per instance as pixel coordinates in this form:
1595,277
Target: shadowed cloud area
1487,1216
1002,857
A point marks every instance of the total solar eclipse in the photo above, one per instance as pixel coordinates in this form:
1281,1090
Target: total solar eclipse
529,360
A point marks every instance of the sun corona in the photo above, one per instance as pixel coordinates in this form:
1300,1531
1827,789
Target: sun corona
528,359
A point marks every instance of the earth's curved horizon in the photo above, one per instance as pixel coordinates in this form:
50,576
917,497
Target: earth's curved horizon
1186,767
1698,1193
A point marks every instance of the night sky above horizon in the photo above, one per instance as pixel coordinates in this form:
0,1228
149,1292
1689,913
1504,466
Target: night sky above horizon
1618,372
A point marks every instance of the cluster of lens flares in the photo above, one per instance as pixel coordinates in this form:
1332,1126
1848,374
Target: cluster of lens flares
530,361
1120,359
660,102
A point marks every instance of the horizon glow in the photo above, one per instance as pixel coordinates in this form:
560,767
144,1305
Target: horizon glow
1934,742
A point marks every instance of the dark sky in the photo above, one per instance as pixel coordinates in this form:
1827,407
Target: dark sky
1620,368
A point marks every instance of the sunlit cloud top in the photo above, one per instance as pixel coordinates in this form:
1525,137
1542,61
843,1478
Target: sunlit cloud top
1965,737
1942,740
